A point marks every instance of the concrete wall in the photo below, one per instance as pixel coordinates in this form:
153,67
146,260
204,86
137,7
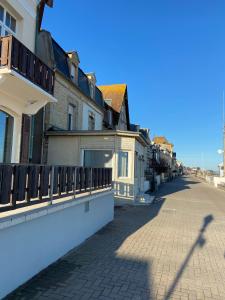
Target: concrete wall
218,180
33,240
64,150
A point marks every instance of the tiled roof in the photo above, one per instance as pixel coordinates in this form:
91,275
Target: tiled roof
114,92
161,140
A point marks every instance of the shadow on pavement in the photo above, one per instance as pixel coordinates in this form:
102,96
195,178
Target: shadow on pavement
177,185
98,269
200,242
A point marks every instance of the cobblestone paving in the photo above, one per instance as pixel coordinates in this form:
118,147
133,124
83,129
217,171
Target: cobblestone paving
173,249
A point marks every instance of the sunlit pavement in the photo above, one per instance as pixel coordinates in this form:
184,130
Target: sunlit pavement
173,249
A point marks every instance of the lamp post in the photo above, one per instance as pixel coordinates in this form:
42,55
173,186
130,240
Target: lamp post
153,169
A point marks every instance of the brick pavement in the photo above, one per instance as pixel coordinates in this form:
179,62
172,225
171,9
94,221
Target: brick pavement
173,249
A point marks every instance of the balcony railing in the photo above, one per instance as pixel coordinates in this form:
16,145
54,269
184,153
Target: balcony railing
22,185
14,55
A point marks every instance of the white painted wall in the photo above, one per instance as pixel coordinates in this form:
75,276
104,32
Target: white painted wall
32,241
25,12
98,117
218,180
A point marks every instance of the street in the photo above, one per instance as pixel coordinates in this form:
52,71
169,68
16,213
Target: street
172,249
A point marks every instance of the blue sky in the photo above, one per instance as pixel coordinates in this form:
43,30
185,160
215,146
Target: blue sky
171,53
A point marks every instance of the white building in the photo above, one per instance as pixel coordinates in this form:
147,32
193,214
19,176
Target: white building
26,84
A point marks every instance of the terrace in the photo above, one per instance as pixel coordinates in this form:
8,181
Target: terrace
47,211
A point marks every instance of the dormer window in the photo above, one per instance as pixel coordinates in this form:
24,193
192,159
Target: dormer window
92,90
7,22
74,63
110,117
73,72
91,121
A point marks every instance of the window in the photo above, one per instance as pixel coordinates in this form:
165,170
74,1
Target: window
71,111
92,90
7,22
91,121
110,117
98,158
73,72
123,164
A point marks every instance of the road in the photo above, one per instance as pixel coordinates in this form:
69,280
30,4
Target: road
173,249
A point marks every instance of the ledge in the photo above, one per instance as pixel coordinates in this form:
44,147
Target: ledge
28,213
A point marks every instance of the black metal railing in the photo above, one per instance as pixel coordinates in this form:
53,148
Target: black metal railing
22,185
14,55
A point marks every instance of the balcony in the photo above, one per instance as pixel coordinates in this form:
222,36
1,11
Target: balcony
26,82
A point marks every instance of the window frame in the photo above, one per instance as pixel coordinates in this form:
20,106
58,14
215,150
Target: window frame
70,117
4,26
91,115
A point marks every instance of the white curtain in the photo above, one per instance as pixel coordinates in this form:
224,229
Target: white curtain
123,164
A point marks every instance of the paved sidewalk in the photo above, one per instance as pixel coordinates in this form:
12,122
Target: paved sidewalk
173,249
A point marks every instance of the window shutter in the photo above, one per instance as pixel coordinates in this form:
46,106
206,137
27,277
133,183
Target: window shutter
25,138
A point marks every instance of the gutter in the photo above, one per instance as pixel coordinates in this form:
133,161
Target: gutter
132,134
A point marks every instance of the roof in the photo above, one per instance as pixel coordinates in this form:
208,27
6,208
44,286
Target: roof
60,59
116,93
61,63
161,140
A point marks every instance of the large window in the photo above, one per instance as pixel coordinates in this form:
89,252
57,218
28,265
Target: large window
6,134
123,164
91,121
98,158
7,22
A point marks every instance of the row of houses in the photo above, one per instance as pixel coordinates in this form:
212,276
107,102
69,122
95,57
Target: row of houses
68,148
53,112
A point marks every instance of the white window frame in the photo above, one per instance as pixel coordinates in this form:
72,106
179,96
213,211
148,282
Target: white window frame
118,162
3,25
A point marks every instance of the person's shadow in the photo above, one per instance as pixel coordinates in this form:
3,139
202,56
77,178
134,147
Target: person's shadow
200,242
